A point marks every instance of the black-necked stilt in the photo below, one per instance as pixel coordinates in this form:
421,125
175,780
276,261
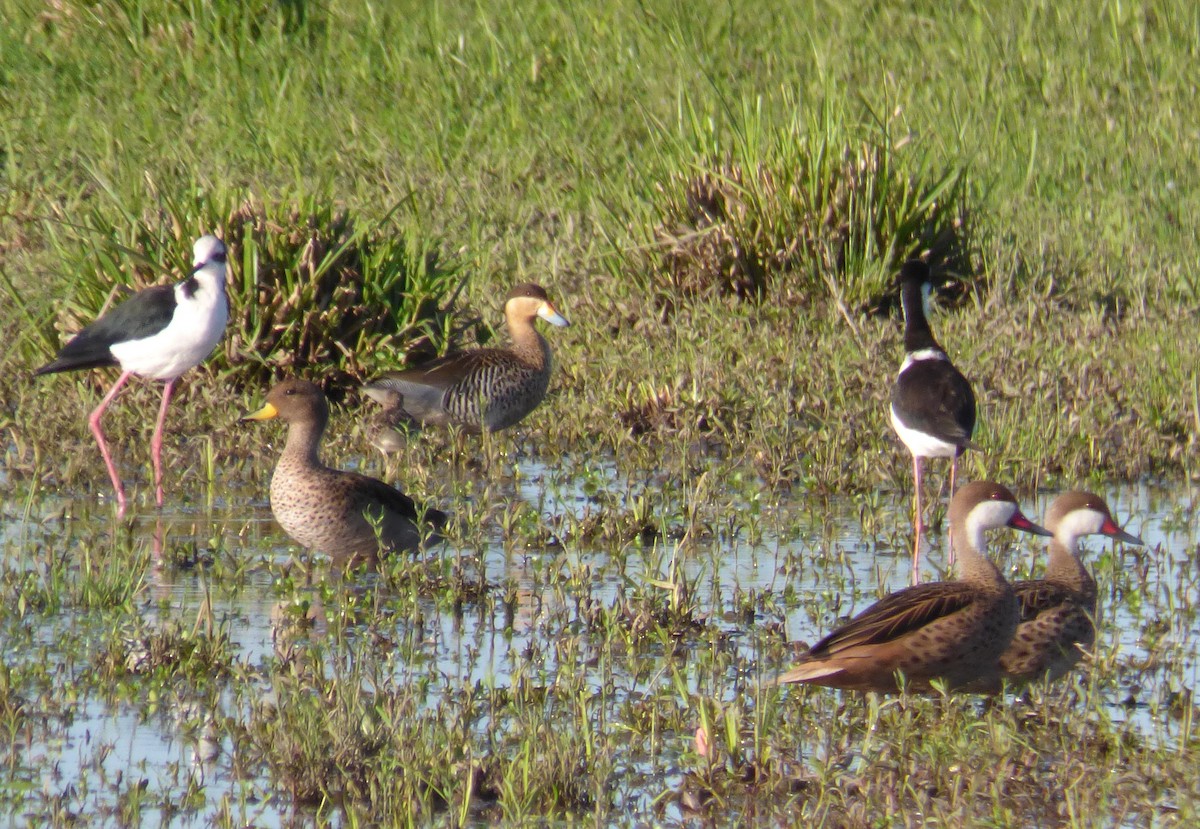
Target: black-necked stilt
484,388
932,407
953,631
345,515
158,333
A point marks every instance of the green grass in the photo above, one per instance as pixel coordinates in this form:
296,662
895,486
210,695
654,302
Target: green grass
815,204
559,147
1045,155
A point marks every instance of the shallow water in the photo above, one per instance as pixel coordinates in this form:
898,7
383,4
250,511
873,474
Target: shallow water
820,550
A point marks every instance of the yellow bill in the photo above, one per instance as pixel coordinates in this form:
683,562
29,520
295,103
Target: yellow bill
265,413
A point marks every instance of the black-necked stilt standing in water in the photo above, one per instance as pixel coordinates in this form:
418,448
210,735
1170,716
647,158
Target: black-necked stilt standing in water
933,407
158,333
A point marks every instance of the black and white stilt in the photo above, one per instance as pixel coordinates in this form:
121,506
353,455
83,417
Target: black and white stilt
158,333
932,405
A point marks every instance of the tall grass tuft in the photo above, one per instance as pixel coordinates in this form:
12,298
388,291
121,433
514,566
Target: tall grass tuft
312,288
816,203
317,289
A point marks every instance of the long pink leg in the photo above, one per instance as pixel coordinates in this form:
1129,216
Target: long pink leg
157,440
158,540
94,425
918,520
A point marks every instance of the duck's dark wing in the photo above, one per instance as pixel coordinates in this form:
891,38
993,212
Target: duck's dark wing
374,492
895,615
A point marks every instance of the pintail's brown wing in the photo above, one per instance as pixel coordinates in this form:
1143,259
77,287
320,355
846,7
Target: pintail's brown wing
1036,597
897,614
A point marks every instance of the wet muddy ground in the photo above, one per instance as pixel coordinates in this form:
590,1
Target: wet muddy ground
113,710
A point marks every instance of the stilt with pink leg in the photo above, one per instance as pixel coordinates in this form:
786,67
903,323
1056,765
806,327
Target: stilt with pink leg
932,404
156,441
918,516
94,425
158,333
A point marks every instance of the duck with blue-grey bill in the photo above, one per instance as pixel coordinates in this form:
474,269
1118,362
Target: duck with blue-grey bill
483,389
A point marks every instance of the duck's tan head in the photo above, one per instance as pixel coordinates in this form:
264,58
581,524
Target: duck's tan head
1075,514
295,401
524,302
986,505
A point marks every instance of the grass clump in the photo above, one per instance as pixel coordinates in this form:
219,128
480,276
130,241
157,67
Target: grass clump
815,203
392,752
319,290
144,25
319,750
169,652
312,286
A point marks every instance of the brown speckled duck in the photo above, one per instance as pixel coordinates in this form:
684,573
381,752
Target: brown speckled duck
954,631
347,516
1057,611
388,427
484,388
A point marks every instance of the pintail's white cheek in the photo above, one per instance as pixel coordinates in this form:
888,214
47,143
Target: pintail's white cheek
1081,522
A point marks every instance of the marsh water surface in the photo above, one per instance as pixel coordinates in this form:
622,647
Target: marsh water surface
785,567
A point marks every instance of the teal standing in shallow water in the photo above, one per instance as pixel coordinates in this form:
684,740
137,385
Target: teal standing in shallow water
952,631
1057,612
932,405
347,516
484,388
